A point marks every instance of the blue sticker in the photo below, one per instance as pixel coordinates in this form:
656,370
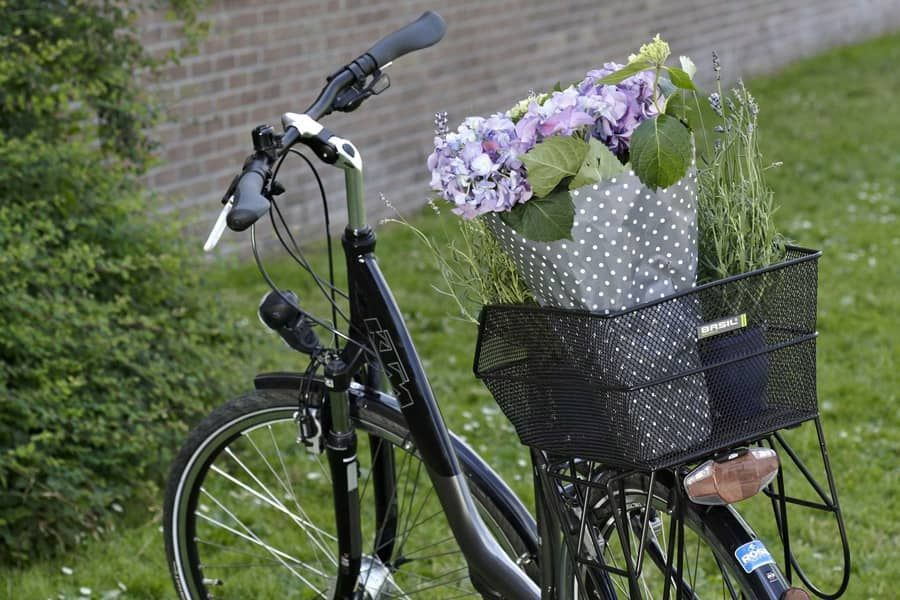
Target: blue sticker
753,555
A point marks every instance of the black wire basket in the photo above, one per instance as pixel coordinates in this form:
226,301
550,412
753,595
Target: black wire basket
666,382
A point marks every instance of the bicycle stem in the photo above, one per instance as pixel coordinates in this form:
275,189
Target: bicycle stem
356,206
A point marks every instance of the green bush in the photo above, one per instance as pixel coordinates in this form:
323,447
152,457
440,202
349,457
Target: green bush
108,346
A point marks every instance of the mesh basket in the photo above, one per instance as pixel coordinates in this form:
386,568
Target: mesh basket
665,382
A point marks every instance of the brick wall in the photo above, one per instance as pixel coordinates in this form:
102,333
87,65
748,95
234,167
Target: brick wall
266,57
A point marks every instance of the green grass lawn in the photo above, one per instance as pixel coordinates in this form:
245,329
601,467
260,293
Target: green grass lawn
835,123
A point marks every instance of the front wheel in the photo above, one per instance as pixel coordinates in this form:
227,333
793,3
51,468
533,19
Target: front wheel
249,511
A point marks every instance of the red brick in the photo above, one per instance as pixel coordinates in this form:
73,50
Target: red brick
264,57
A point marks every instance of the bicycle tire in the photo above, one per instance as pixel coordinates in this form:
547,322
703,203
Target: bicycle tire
259,409
719,528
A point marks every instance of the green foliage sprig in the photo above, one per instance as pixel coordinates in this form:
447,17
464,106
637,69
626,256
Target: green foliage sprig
735,207
558,165
661,150
475,269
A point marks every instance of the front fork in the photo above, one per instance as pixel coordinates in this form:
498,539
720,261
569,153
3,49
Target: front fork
340,446
383,480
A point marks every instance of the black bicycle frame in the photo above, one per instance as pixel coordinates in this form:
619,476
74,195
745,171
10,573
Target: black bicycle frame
376,322
377,325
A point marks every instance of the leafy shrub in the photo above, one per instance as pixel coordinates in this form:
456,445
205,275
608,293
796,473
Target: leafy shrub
107,347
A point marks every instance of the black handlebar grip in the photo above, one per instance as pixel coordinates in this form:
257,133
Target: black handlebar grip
249,202
425,31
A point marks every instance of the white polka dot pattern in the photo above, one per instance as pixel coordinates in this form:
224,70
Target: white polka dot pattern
666,417
629,245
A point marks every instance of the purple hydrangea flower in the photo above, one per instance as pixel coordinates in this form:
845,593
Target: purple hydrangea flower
563,113
477,167
631,101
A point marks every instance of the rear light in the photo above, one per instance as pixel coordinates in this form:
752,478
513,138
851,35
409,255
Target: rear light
732,478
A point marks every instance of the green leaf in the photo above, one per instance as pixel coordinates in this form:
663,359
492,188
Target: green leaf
666,86
599,163
543,219
677,106
626,72
681,79
552,160
661,151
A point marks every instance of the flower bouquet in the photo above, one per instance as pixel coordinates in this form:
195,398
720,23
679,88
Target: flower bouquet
587,189
589,192
580,211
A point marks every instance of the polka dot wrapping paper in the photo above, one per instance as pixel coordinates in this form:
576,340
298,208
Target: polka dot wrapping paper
630,245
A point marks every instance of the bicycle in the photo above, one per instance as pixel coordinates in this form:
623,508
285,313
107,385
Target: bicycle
403,508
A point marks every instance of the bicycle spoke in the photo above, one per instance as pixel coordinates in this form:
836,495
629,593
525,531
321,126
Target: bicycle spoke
432,545
280,556
273,502
376,546
416,521
322,468
409,506
696,565
702,575
305,525
434,585
361,497
365,485
253,538
249,536
231,550
411,557
617,581
253,476
288,487
726,581
320,542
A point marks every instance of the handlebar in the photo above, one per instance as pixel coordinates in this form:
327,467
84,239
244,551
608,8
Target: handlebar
425,31
249,202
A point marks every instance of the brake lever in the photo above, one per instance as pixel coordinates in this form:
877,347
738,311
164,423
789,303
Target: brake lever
351,98
219,227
